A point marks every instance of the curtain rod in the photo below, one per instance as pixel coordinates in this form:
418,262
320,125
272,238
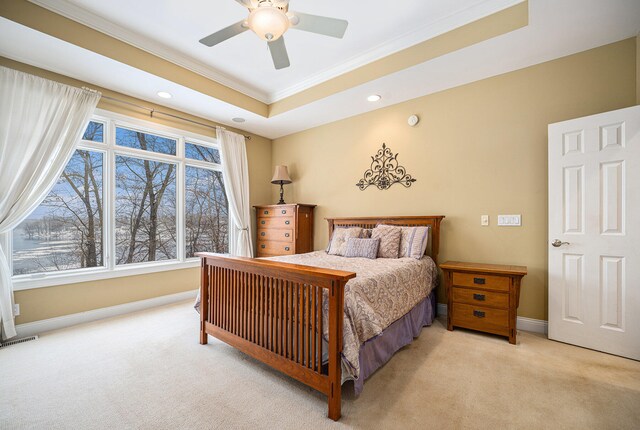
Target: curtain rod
155,111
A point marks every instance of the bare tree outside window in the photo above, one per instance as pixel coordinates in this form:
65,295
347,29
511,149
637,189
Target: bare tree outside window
206,212
206,205
65,232
145,202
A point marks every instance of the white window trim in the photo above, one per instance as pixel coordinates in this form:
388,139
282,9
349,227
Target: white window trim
110,150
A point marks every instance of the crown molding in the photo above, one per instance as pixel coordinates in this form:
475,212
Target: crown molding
82,16
404,41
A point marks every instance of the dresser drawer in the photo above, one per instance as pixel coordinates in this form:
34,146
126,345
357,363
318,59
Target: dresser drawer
282,235
276,222
274,248
489,282
276,212
480,298
481,318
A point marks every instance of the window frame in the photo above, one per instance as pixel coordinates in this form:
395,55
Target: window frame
110,150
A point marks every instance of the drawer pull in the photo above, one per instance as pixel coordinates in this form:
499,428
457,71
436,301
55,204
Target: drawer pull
478,297
479,281
263,234
266,212
479,314
263,246
263,222
287,222
286,248
286,235
284,212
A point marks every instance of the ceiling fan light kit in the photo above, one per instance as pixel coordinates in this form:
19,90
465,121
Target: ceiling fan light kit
268,22
270,19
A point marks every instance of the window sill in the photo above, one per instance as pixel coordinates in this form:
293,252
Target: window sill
29,282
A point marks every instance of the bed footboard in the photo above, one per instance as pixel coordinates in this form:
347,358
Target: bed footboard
273,312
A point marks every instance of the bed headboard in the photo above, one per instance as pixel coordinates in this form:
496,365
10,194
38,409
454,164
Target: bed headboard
406,221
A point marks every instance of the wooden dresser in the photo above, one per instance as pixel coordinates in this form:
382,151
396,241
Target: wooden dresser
483,297
284,229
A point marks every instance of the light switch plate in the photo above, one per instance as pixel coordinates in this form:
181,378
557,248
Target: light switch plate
16,309
510,220
484,219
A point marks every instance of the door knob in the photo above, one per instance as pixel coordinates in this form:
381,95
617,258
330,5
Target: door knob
557,243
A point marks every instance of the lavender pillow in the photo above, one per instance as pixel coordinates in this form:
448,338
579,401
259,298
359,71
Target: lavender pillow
364,248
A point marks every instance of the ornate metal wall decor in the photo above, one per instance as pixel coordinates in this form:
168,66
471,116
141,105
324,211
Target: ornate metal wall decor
385,171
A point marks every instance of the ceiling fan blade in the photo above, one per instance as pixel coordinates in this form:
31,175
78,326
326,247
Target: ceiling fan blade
248,3
224,34
321,24
279,53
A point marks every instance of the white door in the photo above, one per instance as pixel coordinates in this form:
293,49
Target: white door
594,220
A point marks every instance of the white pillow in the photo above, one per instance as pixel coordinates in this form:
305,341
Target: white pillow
413,242
338,243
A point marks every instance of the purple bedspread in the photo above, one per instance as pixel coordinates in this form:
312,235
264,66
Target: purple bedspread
375,352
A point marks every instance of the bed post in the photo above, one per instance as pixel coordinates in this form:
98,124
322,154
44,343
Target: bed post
204,299
336,321
330,224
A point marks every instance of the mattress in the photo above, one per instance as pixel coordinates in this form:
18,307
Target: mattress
384,291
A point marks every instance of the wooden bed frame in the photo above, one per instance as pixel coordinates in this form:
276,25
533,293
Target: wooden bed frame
272,311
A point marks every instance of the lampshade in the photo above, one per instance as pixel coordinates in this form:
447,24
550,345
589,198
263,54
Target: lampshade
268,22
281,175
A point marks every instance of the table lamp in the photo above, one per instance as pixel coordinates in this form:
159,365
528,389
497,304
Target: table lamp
281,176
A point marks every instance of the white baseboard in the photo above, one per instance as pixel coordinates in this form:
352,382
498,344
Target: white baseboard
37,327
522,323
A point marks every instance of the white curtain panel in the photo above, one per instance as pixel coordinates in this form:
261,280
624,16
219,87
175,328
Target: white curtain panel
235,172
41,122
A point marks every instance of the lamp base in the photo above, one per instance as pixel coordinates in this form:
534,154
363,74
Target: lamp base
281,202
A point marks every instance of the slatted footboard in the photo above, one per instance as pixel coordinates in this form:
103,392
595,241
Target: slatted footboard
274,312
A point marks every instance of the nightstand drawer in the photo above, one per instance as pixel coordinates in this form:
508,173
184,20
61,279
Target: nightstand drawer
480,298
275,248
276,212
275,222
281,235
481,318
489,282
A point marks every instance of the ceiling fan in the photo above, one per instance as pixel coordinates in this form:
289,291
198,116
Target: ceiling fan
270,19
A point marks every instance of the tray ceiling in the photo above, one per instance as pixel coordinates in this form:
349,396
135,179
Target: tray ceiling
168,32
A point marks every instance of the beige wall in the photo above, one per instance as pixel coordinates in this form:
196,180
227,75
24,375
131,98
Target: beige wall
42,303
478,149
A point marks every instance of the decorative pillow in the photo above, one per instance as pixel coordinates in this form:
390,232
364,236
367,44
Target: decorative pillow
413,241
389,240
366,233
338,243
364,248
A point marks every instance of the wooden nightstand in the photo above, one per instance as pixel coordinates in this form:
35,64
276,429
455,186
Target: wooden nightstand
483,297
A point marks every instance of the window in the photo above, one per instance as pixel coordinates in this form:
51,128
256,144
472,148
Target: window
135,197
145,141
145,210
66,231
206,212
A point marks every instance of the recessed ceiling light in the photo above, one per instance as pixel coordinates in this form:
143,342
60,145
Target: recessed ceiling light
164,94
374,98
238,119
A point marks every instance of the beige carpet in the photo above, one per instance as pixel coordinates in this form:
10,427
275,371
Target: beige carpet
147,371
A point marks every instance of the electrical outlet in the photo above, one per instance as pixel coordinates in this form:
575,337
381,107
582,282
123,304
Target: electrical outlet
16,309
484,219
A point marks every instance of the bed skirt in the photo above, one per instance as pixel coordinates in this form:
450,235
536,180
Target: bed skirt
375,352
